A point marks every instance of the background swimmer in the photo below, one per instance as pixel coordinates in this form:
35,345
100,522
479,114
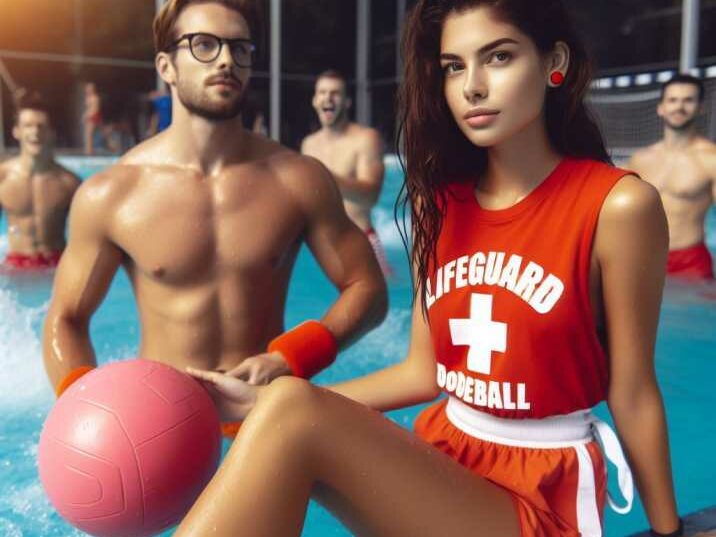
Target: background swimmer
682,166
352,152
35,191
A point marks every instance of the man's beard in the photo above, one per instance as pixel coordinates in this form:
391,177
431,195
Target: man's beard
201,105
679,127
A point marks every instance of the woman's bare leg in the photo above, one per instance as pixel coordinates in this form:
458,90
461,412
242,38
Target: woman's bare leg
381,480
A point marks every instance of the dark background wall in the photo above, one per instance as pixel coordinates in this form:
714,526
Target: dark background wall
623,36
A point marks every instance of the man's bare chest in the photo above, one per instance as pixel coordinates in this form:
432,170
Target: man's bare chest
37,196
679,177
340,158
190,234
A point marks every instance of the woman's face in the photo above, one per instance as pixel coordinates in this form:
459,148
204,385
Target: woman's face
494,77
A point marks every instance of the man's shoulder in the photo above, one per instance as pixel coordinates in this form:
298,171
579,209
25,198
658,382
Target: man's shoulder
303,177
110,186
3,171
7,165
68,178
147,153
641,161
705,146
647,151
310,139
366,135
706,152
292,165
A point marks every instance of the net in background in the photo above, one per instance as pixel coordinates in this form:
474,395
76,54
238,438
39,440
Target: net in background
628,120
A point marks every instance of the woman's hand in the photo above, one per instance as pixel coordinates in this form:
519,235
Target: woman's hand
261,369
234,398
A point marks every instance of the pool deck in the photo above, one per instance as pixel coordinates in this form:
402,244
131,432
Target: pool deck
699,524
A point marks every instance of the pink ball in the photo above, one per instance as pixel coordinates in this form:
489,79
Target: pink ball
128,448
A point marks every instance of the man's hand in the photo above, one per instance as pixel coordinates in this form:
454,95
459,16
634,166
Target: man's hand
233,397
261,369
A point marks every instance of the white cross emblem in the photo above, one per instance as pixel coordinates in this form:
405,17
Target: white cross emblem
480,333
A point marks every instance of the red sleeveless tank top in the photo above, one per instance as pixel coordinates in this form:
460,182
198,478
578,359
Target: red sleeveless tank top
509,305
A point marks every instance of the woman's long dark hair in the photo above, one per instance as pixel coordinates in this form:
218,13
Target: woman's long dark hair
434,151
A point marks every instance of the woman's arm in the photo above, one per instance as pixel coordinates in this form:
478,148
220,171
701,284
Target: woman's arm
407,383
631,246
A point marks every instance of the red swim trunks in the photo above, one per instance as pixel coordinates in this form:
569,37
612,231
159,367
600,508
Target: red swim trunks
693,262
374,240
33,261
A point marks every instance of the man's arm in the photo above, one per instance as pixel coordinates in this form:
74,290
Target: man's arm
86,269
711,169
368,182
346,257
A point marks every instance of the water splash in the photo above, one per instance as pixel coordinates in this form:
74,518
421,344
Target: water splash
25,383
384,346
384,224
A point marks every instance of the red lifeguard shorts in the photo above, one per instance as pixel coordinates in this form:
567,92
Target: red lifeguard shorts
557,491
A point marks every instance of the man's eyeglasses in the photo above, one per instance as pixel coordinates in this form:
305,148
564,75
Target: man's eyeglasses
207,47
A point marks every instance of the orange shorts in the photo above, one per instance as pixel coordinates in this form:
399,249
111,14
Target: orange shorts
557,491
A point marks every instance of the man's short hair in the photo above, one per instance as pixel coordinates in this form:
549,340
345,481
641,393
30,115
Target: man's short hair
684,79
165,21
333,73
29,100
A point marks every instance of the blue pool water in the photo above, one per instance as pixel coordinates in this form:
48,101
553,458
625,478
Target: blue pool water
685,364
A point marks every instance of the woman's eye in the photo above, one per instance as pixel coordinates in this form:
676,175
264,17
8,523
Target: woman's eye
452,67
500,57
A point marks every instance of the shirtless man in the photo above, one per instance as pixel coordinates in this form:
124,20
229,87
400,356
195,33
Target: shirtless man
682,166
353,154
207,220
35,191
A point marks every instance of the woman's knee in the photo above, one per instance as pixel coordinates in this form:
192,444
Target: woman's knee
289,399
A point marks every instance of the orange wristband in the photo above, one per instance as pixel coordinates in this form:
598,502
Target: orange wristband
308,348
71,377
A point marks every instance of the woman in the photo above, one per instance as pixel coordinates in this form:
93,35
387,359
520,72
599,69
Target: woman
535,300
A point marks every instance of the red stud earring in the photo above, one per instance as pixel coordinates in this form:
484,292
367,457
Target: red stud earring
556,78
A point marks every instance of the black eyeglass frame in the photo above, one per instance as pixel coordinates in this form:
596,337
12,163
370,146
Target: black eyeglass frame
221,40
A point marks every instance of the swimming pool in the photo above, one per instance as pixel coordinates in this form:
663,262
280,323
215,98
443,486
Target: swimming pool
685,355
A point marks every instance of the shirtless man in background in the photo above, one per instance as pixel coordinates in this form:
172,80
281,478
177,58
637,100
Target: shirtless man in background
207,220
35,191
682,166
353,153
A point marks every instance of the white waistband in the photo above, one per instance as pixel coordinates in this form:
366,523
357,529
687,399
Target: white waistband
569,430
554,432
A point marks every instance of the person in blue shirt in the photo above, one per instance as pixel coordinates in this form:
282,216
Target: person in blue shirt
161,111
